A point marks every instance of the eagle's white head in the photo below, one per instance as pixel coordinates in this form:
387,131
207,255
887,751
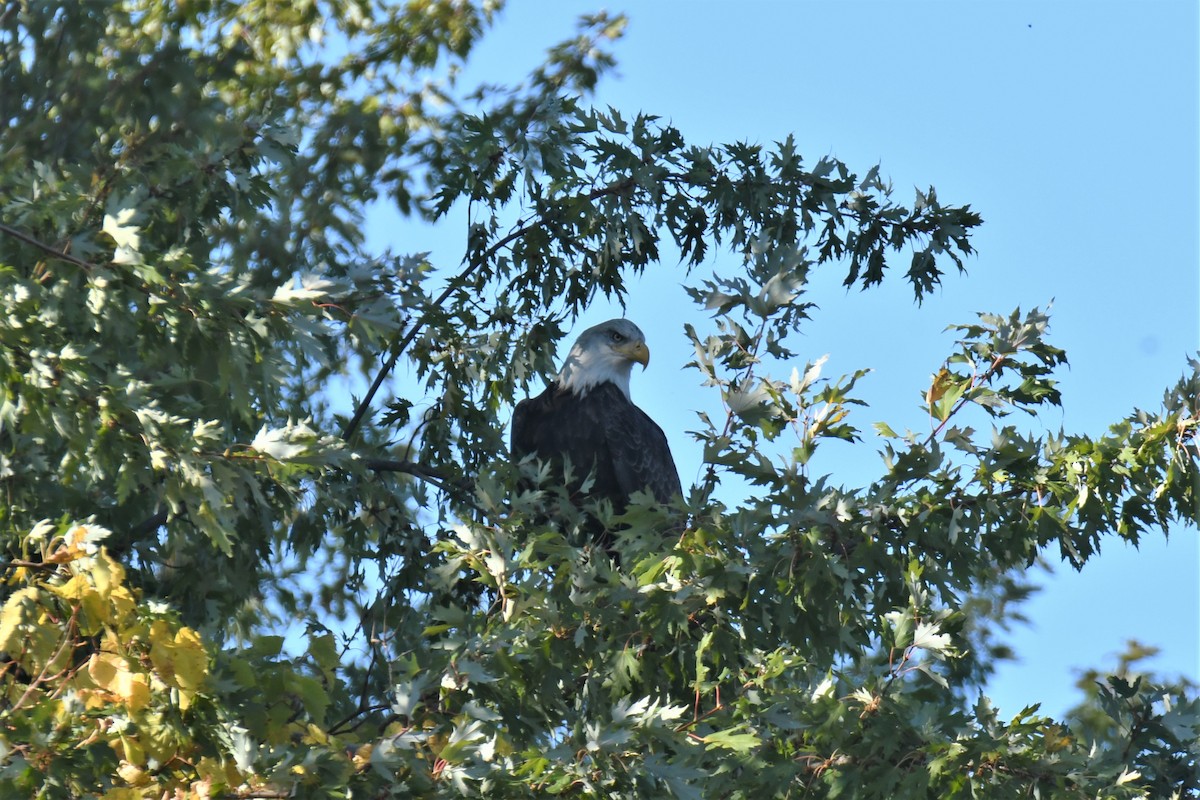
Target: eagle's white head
604,352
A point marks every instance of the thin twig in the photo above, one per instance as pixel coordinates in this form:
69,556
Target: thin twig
39,244
461,488
364,698
19,563
344,726
151,524
438,478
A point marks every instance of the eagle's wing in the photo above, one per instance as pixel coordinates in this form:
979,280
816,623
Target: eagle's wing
559,427
641,457
518,443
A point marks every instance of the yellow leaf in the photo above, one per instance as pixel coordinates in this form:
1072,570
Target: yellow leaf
201,790
317,735
105,573
110,672
938,386
95,610
1057,738
121,794
87,537
217,774
73,589
133,775
191,667
103,669
131,750
15,616
362,757
29,635
136,692
179,658
123,604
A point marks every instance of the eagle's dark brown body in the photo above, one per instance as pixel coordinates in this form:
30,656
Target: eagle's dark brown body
603,436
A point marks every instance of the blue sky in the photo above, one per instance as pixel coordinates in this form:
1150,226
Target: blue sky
1072,127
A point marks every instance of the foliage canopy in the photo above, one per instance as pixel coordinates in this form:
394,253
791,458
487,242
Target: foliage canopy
217,583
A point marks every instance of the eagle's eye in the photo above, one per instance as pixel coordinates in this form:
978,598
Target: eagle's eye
617,337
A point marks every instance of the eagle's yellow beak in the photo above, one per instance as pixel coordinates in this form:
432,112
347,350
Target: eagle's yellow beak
636,351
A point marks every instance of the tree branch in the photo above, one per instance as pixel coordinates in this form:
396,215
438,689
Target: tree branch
150,524
39,244
437,477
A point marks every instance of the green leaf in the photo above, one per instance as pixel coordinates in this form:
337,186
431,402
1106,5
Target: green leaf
885,430
732,740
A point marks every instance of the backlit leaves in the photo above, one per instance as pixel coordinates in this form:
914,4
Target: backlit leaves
117,675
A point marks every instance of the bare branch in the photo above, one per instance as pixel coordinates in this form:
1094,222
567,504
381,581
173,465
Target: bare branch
39,244
438,478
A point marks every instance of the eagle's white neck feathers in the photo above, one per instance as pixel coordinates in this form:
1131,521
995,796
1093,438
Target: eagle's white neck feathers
595,358
585,369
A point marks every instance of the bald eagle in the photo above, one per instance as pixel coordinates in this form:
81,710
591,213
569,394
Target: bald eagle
585,422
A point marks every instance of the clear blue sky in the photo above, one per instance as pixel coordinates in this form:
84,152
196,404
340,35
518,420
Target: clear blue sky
1070,126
